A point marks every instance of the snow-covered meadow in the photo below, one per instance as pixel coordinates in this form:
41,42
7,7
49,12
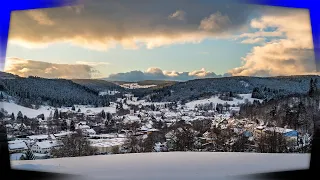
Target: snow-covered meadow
216,100
12,107
170,165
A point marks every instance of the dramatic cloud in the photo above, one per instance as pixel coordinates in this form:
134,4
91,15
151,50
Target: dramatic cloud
102,25
25,68
290,54
158,74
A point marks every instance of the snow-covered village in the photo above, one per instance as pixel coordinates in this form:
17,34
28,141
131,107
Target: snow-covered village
116,78
221,122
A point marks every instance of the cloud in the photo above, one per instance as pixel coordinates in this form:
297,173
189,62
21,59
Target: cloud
253,41
40,17
290,54
178,15
25,68
101,25
154,73
215,22
92,63
262,34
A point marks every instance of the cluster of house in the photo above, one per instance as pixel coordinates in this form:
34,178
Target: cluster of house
108,143
40,145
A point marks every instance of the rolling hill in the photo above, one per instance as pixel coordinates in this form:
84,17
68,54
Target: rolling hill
272,86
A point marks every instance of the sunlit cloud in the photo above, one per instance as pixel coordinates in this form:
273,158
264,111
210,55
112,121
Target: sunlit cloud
253,40
289,55
91,63
25,68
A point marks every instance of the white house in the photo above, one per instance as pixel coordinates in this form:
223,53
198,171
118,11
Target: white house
88,132
39,138
130,119
107,145
44,147
85,129
17,146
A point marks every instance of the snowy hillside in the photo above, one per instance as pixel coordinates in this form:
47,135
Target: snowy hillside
136,86
171,165
11,107
215,100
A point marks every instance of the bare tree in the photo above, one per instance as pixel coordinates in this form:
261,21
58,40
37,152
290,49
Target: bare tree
185,138
74,145
133,144
272,142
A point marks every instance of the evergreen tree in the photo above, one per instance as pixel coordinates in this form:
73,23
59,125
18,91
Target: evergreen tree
64,125
109,116
79,110
28,155
73,108
56,114
311,88
1,96
103,114
50,116
12,117
315,85
152,107
20,116
72,126
1,115
60,114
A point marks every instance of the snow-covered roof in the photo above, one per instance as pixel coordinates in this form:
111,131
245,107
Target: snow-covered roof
46,144
41,137
259,127
107,142
110,135
153,130
9,126
63,134
18,145
90,131
52,136
154,112
83,127
171,114
279,129
132,118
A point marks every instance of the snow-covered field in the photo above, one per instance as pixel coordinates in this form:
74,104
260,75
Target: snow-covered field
144,103
111,93
136,86
170,165
11,107
215,100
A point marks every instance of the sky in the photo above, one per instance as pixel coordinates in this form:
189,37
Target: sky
140,40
